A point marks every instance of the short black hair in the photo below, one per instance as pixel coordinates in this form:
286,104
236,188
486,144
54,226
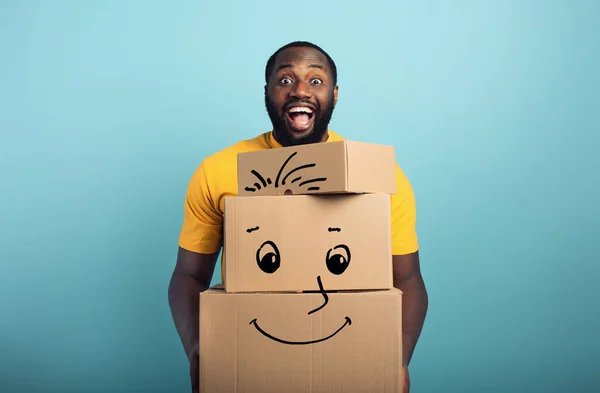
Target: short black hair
300,44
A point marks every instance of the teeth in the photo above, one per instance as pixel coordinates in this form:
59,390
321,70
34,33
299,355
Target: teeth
300,109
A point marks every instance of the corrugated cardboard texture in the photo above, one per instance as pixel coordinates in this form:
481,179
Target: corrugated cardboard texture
287,242
354,342
320,168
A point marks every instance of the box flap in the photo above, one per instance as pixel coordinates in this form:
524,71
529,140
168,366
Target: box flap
370,167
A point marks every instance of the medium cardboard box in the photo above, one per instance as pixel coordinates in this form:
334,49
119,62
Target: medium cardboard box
333,167
307,242
301,343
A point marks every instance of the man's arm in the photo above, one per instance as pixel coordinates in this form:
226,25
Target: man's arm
192,275
407,278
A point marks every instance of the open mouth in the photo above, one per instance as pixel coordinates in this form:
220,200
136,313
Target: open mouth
300,118
348,321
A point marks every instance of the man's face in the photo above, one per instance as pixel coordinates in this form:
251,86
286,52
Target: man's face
300,96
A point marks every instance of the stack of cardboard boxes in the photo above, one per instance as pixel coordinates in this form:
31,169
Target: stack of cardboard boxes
308,303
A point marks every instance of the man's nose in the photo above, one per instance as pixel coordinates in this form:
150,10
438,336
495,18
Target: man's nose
301,90
322,293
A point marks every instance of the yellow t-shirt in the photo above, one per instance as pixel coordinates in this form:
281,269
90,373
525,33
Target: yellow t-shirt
216,178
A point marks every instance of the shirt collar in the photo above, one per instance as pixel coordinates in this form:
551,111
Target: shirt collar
272,142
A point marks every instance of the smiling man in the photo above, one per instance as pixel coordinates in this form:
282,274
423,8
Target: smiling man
301,93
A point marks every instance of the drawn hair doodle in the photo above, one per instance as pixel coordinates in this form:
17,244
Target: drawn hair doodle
264,183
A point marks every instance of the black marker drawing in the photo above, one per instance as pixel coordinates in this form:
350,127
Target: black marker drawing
253,322
339,261
297,169
283,166
270,260
312,181
261,179
263,183
322,291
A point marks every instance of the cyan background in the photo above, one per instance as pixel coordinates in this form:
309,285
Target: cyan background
108,106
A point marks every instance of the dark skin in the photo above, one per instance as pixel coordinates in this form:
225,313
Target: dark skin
192,274
300,75
408,278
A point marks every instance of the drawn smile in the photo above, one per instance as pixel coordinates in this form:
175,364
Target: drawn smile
253,322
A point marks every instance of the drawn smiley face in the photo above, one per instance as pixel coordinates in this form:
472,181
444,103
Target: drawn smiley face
337,260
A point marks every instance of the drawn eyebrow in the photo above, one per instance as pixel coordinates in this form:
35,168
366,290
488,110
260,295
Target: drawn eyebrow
334,229
250,230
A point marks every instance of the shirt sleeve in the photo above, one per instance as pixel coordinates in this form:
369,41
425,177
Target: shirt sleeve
404,216
202,226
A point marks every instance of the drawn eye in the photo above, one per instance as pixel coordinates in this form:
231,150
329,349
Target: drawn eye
267,257
338,259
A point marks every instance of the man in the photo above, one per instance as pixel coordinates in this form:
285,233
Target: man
299,74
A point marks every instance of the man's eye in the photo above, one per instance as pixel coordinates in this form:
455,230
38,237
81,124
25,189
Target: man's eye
316,81
286,80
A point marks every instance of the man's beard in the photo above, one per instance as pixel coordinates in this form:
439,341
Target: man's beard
280,127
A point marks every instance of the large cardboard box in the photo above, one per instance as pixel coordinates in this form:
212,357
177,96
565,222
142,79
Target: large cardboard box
333,167
304,242
301,343
308,304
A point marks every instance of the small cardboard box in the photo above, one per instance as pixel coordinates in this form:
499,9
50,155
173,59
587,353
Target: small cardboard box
301,343
305,242
332,167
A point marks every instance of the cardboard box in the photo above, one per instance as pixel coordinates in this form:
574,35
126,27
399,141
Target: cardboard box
300,343
304,242
320,168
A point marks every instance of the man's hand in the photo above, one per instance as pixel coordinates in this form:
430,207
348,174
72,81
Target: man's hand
194,370
405,380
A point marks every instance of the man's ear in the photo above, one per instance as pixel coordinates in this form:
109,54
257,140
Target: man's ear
335,95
